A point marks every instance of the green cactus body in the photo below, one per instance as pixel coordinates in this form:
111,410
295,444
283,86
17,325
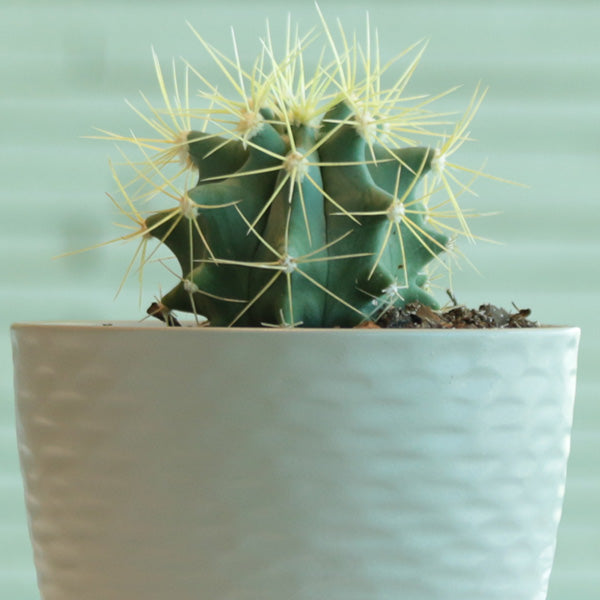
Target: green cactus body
295,229
218,285
304,214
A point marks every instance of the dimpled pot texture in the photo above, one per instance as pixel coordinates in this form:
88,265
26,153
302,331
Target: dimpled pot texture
259,464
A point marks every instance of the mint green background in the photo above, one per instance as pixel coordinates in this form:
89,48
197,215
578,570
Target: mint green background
67,66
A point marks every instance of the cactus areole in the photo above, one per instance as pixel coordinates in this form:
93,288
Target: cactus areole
298,199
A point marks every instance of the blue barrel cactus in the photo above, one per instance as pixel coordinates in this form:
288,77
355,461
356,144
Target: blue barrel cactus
309,200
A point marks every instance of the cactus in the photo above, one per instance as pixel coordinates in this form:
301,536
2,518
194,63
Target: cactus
312,198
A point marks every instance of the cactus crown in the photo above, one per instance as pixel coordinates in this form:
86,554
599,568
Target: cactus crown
307,199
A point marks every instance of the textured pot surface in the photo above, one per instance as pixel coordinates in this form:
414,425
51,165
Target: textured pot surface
232,464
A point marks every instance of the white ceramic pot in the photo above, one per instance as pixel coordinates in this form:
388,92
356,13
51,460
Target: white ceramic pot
232,464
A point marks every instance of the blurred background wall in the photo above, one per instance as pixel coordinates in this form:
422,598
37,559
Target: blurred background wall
66,67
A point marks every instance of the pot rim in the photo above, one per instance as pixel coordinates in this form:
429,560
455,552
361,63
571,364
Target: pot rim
135,326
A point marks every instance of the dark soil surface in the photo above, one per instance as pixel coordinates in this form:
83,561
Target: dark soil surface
420,316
